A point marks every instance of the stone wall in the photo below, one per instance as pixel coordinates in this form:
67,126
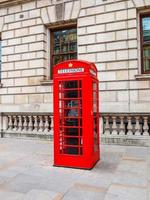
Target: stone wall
108,34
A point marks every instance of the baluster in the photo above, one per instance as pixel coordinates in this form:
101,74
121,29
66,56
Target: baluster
20,123
46,124
145,126
15,123
101,125
52,124
10,123
122,126
30,124
35,124
114,126
4,120
107,126
41,124
130,127
25,124
137,126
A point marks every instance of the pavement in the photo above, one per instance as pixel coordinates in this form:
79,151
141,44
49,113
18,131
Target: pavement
27,173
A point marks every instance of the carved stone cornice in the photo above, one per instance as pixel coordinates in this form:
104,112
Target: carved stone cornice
5,3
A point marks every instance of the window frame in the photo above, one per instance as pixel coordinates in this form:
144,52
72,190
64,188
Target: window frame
142,15
54,29
0,59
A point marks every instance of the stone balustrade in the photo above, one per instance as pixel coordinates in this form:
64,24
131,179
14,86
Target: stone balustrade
27,125
114,128
126,129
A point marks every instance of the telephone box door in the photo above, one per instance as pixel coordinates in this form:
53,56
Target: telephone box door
70,112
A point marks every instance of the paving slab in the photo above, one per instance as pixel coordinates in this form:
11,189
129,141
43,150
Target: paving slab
127,192
128,178
133,166
97,179
3,179
27,173
42,195
148,192
136,152
85,192
5,195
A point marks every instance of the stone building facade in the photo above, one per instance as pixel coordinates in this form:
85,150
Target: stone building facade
108,34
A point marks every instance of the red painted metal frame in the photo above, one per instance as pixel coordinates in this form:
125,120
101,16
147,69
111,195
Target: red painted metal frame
80,152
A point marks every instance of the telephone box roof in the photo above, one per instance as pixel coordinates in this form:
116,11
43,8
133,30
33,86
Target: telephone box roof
75,66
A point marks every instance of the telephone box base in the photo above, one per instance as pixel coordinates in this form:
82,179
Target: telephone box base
78,167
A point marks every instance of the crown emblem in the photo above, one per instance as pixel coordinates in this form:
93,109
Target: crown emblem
70,64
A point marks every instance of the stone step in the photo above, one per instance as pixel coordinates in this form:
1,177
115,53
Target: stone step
27,135
143,141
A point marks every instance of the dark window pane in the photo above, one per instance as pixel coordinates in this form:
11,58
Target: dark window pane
0,50
65,57
73,47
146,58
145,44
146,28
56,49
71,150
0,56
73,56
71,84
64,48
57,36
64,45
56,59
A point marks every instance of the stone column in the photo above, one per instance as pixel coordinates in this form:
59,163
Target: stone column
4,124
137,126
101,126
121,126
107,126
145,126
129,126
46,125
52,125
114,126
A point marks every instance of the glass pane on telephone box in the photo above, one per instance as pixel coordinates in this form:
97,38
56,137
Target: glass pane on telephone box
70,94
95,116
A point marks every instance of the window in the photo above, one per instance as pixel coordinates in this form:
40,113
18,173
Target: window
63,45
145,43
0,57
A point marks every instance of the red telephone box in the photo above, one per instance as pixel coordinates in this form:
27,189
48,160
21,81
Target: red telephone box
76,114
